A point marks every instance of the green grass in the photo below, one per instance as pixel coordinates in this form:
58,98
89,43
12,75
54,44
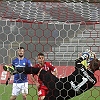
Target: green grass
92,94
5,93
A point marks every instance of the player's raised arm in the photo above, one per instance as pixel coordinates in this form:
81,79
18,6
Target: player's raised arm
83,57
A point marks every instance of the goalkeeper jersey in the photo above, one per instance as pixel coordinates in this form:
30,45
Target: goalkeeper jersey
84,62
79,81
21,77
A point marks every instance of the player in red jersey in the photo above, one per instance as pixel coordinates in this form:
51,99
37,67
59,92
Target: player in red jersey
47,66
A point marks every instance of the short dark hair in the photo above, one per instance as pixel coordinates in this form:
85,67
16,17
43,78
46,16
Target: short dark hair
94,64
40,54
20,47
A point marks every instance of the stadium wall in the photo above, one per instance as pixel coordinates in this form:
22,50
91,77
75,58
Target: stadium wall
62,72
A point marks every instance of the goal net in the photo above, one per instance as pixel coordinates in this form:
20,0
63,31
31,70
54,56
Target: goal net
61,29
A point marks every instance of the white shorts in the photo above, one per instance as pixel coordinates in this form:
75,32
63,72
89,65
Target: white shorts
19,88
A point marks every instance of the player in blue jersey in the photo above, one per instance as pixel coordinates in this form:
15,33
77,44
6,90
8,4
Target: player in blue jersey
20,83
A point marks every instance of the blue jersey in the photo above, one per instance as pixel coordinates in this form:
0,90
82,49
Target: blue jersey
21,77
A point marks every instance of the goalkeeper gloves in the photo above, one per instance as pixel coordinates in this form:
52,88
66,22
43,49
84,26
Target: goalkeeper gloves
7,81
91,54
85,55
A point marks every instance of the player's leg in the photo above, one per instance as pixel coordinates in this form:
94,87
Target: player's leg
42,93
46,77
24,90
41,97
24,96
31,70
27,70
15,91
13,97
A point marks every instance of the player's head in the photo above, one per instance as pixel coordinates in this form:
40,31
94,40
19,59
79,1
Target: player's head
20,52
94,64
41,58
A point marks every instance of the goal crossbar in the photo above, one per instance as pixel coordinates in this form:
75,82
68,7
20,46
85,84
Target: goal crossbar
48,12
89,1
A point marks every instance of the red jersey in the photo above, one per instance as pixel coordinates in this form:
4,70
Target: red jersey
48,67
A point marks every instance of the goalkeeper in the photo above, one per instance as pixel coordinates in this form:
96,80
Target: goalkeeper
79,81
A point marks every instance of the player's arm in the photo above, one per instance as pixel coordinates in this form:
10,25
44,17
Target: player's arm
54,72
29,64
34,79
83,57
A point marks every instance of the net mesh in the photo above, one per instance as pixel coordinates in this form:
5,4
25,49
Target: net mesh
50,12
61,30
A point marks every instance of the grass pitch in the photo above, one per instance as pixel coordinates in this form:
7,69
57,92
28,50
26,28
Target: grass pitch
5,93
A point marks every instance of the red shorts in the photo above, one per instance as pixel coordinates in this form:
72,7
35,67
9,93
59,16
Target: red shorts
42,91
